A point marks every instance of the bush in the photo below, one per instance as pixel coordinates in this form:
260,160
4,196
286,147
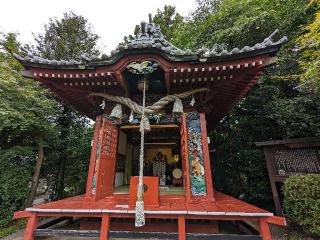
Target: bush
302,201
16,164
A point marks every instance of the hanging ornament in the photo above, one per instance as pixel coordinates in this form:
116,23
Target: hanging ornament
177,106
103,104
116,111
157,117
139,213
193,101
131,117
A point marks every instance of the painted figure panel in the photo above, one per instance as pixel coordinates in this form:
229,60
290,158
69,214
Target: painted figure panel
196,160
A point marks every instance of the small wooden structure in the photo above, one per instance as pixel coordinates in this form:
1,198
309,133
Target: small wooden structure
176,141
289,157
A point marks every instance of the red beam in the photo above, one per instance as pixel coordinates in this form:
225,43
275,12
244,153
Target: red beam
277,220
31,226
21,214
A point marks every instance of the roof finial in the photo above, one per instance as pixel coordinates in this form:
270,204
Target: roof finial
150,18
270,38
143,27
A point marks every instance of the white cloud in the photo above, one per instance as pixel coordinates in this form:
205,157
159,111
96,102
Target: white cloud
111,19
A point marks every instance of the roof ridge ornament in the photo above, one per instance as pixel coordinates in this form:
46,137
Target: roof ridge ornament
267,42
270,38
151,37
144,67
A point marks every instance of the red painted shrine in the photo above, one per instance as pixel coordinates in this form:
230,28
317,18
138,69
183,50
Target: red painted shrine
200,86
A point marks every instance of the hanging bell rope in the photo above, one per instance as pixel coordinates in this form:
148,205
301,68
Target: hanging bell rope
154,107
139,213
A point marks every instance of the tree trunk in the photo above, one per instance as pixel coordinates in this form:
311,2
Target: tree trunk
60,179
36,174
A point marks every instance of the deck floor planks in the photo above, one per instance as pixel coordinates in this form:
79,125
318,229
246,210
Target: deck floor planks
177,203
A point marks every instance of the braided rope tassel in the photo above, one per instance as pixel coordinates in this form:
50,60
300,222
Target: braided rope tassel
139,213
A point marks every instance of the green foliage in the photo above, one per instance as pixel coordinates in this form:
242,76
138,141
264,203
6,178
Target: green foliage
234,23
67,161
168,20
16,169
302,201
239,166
299,116
25,116
67,38
28,113
12,228
77,147
309,44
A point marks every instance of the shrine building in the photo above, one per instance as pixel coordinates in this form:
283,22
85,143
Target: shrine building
153,105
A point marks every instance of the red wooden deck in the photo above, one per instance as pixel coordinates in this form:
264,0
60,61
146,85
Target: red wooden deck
171,206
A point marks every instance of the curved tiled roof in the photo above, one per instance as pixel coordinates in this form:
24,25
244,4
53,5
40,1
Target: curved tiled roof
150,40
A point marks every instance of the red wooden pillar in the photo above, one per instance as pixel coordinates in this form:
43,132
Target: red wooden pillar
31,226
185,157
264,229
206,157
182,227
105,223
93,157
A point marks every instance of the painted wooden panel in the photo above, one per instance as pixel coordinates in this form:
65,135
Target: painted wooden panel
106,159
196,156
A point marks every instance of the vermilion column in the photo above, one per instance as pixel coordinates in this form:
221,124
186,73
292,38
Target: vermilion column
264,229
206,157
93,157
182,227
31,226
104,230
184,157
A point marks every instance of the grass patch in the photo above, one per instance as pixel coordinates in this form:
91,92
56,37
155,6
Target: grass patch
12,227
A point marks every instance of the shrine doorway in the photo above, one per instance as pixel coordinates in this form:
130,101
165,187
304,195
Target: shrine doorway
162,158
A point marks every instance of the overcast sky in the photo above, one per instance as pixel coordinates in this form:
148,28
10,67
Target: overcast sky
111,19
